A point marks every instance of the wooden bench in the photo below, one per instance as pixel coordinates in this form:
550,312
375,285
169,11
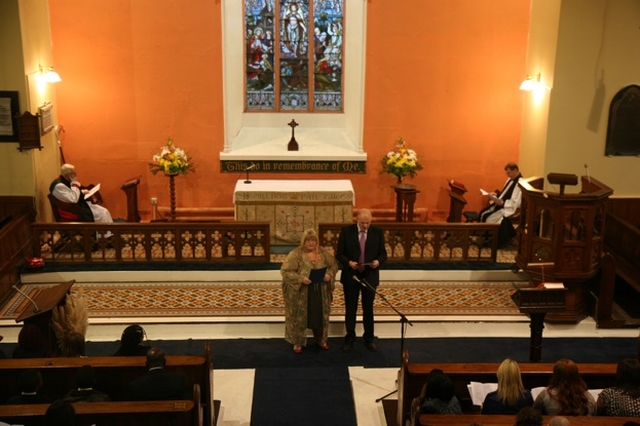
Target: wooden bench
112,375
126,413
506,420
413,376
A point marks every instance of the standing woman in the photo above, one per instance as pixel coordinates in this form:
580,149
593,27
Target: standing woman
511,396
307,303
567,394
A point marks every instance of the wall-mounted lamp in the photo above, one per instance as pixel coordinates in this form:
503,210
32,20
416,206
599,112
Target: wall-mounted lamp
532,82
49,75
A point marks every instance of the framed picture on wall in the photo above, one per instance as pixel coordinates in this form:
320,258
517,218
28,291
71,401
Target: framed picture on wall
9,110
46,122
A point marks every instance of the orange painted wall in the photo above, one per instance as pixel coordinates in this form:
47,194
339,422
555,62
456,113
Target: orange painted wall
442,74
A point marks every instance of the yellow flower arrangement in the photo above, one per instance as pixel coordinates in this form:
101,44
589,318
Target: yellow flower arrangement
171,160
401,162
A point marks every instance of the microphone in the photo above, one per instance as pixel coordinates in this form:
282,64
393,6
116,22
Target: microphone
251,167
27,297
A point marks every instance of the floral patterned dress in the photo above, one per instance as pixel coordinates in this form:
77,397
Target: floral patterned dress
295,269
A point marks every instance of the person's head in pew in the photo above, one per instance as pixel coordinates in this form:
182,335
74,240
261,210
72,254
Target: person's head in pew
156,358
528,416
60,413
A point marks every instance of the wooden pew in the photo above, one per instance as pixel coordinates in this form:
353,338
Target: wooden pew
506,420
112,375
126,413
413,376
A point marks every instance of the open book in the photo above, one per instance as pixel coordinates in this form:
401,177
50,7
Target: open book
90,193
478,392
488,194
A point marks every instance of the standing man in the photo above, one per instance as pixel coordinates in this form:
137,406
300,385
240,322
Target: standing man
360,253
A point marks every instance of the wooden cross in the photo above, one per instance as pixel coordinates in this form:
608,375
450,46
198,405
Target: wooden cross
293,144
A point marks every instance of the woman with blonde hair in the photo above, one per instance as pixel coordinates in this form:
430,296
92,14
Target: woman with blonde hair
567,394
511,396
308,280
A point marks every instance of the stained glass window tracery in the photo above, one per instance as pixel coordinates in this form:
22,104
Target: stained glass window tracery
294,55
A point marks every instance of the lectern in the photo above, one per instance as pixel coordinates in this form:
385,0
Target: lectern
41,314
130,189
566,230
536,302
457,201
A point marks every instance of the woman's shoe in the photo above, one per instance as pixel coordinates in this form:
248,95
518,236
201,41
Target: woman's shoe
297,349
323,346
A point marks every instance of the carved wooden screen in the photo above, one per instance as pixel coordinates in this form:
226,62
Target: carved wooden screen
294,51
623,133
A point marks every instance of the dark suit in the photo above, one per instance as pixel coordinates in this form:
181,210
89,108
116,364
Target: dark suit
349,250
158,384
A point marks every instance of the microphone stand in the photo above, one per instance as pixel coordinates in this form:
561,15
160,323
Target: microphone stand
403,323
247,170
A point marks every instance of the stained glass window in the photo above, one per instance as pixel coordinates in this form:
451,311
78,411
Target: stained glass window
294,51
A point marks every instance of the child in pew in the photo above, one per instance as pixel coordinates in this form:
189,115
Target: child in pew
86,380
29,383
511,396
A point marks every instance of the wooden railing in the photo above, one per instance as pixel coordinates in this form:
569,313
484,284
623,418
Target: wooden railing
64,243
429,242
246,242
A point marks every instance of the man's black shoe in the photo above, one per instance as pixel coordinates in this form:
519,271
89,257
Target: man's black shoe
347,346
371,346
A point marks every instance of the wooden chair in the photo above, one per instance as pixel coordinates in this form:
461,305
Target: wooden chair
64,212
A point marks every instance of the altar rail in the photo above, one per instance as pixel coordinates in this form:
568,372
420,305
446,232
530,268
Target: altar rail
247,242
166,242
428,242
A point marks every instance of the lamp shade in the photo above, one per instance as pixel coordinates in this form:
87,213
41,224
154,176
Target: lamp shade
50,76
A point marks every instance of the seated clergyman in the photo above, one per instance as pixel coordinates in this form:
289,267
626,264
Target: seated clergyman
67,188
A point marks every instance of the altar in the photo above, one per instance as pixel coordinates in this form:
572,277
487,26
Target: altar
291,206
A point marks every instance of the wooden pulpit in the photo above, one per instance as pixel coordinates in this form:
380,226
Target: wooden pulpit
130,189
537,302
456,202
41,314
566,230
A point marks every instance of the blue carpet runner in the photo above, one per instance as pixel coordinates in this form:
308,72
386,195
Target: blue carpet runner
303,396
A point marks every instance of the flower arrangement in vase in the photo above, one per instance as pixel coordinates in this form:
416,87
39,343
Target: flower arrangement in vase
171,160
401,161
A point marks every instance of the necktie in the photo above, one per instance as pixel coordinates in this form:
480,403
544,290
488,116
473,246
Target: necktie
363,240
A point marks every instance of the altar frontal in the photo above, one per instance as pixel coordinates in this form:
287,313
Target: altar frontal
291,206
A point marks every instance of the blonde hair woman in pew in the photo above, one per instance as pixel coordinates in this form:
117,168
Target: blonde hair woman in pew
307,297
511,396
